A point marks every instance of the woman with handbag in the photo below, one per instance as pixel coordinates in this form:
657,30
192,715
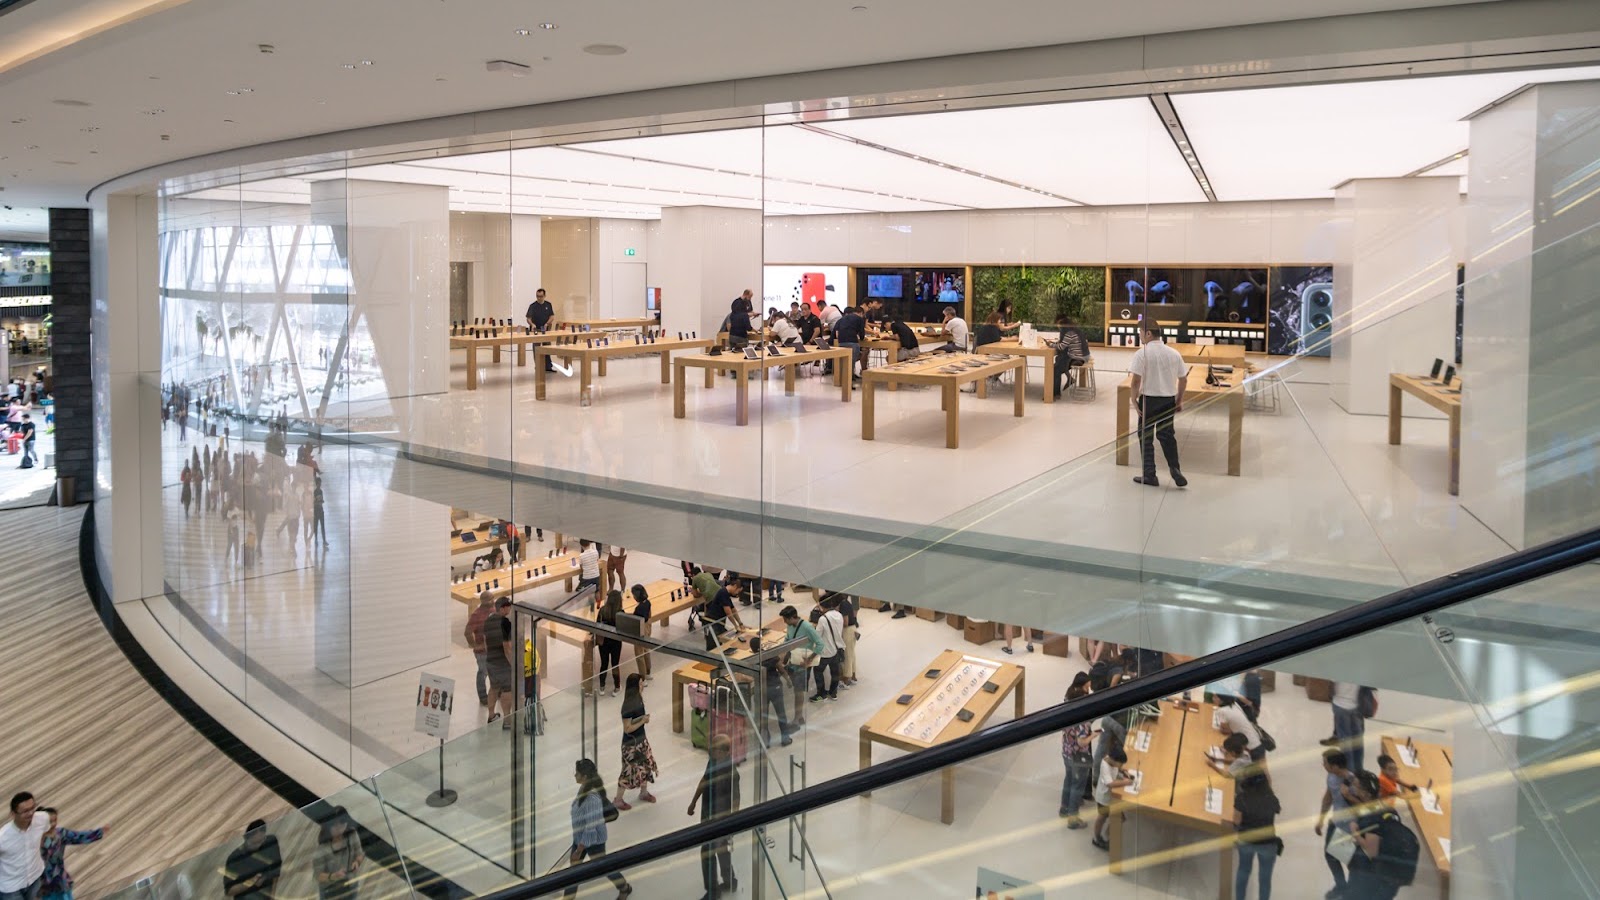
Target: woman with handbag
638,762
589,817
1255,810
801,660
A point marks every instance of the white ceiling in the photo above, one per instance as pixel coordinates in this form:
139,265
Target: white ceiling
169,71
1100,152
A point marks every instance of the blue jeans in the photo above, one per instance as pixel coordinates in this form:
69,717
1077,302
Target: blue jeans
1351,731
1267,855
855,354
1077,778
31,892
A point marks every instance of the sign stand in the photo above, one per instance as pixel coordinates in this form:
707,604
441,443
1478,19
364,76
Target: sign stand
435,700
443,796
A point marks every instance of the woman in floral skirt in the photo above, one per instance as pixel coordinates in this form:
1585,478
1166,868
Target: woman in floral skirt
638,763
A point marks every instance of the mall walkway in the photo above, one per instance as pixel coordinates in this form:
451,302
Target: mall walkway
87,734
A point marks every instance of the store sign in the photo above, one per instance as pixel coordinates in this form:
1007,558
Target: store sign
628,252
30,300
435,696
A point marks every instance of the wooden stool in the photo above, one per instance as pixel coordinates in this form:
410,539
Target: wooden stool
1057,645
979,631
955,621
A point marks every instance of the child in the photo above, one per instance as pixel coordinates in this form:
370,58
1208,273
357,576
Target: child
1111,776
1389,784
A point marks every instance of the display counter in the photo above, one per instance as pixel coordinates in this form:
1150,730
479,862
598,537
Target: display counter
948,372
1429,767
591,357
1444,398
741,367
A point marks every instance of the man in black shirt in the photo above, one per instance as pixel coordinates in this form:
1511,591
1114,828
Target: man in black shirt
849,331
26,429
251,872
809,325
739,322
540,312
719,609
907,337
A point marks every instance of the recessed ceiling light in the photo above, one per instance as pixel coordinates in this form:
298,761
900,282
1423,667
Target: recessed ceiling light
548,26
347,65
605,50
366,62
65,162
153,112
71,102
523,32
858,9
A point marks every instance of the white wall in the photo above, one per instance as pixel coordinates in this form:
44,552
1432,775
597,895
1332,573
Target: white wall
1291,231
1395,272
527,263
609,241
708,255
565,254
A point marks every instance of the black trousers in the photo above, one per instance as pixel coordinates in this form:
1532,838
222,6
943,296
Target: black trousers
1155,424
610,661
1064,366
830,665
777,686
712,856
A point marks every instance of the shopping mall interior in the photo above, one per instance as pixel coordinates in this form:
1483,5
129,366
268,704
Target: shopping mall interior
1147,450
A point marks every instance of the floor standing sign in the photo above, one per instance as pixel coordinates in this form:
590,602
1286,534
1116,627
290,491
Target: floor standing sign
995,886
435,697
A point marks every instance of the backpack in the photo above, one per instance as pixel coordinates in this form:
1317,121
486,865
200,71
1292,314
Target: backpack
1397,852
1367,704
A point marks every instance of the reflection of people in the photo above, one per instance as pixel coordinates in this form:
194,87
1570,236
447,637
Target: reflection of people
719,787
339,858
252,869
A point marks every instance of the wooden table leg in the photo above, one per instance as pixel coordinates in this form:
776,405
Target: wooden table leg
1020,707
844,389
983,388
666,366
1048,379
496,349
677,704
522,354
585,378
1021,384
1235,430
868,423
952,408
741,390
677,388
588,648
601,362
472,367
711,378
1394,413
841,369
538,378
1455,451
788,380
947,795
1124,398
866,755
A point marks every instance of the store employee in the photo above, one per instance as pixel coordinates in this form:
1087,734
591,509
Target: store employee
540,312
1158,379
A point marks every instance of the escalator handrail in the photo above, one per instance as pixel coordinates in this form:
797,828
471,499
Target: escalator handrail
1402,605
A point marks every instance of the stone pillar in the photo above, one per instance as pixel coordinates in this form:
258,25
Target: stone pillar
708,255
1394,278
1530,429
70,347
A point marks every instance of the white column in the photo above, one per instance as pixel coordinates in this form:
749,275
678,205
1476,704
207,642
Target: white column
565,251
125,277
397,245
527,264
1530,432
707,255
1394,286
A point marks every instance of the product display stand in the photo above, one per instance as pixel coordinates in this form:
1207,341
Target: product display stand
443,796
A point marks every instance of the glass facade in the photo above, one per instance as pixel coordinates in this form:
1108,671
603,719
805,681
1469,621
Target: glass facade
362,430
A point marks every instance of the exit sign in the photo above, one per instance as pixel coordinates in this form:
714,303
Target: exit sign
628,252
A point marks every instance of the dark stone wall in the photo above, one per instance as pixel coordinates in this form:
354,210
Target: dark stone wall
72,309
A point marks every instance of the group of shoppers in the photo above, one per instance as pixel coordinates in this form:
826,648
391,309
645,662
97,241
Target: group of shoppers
33,851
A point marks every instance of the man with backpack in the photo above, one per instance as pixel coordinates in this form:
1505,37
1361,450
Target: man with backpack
1385,858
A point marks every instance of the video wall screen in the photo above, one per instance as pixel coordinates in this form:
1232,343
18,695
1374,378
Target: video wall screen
915,294
811,286
1301,311
1213,295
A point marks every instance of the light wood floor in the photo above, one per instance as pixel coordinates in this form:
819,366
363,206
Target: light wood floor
83,731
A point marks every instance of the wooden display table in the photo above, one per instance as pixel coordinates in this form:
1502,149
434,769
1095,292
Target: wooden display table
511,339
1013,347
736,646
518,577
929,371
765,336
887,342
663,605
1174,781
1212,354
1196,394
1445,399
592,358
736,363
923,722
607,324
1429,768
481,541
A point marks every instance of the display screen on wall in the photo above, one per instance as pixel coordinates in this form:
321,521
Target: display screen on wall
24,265
1301,311
812,286
652,299
1040,294
886,287
1199,294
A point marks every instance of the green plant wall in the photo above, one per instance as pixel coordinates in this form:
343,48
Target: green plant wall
1040,293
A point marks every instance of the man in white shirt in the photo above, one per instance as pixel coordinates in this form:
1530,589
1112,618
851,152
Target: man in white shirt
830,627
829,315
589,568
1349,728
21,866
956,328
1158,379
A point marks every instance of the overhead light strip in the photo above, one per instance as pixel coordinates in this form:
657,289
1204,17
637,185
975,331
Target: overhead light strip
1180,139
895,151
